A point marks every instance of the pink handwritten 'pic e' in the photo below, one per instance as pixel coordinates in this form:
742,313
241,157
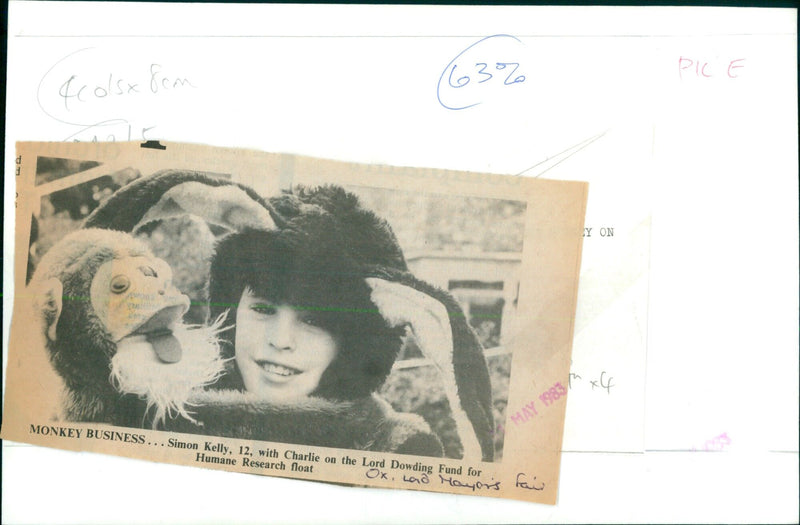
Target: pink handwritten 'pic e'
701,68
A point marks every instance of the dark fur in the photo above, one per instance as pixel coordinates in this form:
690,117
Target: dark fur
469,363
83,348
368,238
319,261
124,210
306,268
372,245
366,424
325,245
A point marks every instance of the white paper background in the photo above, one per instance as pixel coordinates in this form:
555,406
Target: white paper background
691,306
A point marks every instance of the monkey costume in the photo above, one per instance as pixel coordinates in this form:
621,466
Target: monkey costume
319,250
111,321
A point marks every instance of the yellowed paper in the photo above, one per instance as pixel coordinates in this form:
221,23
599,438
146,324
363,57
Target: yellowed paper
297,317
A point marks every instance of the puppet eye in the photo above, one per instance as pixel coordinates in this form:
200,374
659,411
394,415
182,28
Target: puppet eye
120,284
148,271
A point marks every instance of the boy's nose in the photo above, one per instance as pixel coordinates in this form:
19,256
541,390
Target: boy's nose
283,334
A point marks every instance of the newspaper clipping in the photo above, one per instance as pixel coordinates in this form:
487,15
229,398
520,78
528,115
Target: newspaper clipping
290,316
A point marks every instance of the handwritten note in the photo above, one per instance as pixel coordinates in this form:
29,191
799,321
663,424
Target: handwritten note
423,474
599,383
523,481
485,69
102,98
709,68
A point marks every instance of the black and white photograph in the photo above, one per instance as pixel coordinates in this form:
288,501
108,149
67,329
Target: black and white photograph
318,309
327,313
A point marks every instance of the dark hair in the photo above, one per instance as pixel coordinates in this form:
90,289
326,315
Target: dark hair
307,265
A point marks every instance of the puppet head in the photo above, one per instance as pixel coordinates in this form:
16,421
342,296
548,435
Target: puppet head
112,320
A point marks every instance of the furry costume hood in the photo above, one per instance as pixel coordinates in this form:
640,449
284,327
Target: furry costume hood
368,423
316,265
172,193
313,249
319,261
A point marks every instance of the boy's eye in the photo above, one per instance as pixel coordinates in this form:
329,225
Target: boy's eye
308,317
310,320
263,308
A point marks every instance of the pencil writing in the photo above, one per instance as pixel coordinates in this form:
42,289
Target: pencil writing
102,98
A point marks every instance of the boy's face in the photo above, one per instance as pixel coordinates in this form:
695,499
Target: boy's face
280,353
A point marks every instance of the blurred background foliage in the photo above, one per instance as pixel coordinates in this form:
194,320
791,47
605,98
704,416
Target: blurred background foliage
419,390
437,222
63,211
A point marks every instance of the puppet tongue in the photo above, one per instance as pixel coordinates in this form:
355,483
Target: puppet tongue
157,332
165,345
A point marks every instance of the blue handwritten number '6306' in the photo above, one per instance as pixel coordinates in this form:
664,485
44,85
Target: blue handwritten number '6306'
479,73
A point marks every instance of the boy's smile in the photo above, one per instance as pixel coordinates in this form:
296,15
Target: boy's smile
280,352
275,369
